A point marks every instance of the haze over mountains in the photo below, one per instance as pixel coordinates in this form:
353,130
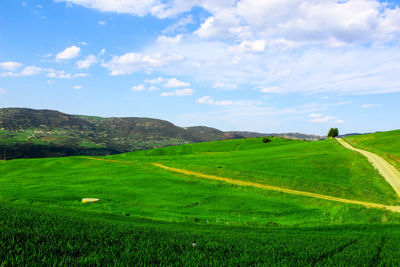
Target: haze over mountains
48,133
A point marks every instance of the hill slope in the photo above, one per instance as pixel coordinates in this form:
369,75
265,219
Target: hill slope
385,144
148,215
129,183
26,133
48,133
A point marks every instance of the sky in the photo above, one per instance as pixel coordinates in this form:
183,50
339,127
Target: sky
253,65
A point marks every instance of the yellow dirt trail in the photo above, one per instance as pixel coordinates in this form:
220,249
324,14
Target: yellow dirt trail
391,175
280,189
109,160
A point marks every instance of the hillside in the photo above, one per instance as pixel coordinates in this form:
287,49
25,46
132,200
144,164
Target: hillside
385,144
128,183
149,215
27,133
48,133
204,134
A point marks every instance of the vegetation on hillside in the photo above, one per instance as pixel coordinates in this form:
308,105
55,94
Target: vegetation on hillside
28,133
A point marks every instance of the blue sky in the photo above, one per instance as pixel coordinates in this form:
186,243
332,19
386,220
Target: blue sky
267,66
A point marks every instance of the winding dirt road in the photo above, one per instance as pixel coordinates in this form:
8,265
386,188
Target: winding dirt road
279,189
391,175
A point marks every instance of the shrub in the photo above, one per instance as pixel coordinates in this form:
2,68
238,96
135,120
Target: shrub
266,140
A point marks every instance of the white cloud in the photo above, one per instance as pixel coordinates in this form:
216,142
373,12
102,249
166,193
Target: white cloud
155,80
77,87
316,115
134,62
134,7
181,92
153,88
80,75
10,65
329,22
179,26
349,70
68,53
102,52
59,74
256,46
31,70
273,89
205,100
222,24
208,100
140,87
298,46
224,85
27,71
369,105
86,63
321,118
174,83
2,91
169,40
102,22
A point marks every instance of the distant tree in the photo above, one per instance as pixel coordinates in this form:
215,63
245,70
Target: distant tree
333,132
266,140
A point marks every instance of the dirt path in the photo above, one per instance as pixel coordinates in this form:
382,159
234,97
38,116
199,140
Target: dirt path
279,189
388,172
108,160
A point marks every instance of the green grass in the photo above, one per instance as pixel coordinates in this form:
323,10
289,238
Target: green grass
147,215
385,144
324,167
144,191
33,236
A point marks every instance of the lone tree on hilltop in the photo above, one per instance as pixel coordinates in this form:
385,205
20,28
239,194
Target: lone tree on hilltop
333,132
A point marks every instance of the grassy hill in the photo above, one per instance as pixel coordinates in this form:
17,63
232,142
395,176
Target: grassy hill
148,215
29,133
385,144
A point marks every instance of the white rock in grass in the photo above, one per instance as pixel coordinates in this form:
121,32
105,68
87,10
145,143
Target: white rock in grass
87,200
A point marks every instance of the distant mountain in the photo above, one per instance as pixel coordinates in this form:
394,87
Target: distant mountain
283,135
26,133
204,133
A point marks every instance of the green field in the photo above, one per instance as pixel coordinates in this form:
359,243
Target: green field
385,144
148,215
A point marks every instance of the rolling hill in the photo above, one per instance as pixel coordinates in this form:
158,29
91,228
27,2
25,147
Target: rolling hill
385,144
29,133
150,215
